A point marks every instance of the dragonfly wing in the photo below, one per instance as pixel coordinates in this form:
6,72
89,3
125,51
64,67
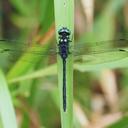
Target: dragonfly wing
99,47
33,51
15,47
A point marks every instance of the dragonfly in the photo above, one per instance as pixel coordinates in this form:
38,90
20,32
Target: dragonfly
79,50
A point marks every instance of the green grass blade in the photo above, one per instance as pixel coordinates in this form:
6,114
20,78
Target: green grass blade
48,71
64,17
122,123
82,67
6,107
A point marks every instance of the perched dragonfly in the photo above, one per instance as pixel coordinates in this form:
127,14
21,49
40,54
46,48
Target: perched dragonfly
64,49
63,46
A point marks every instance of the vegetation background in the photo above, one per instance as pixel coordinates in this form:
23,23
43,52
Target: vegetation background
100,96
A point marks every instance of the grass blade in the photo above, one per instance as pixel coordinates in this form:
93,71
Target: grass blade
6,107
48,71
64,17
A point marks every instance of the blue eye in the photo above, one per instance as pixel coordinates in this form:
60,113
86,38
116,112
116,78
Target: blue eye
63,31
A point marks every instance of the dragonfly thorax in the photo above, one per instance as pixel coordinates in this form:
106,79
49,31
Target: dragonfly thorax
63,50
64,39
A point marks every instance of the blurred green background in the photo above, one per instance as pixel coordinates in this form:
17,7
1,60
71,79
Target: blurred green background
100,97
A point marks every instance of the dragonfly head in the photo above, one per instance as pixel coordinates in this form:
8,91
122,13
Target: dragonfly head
64,32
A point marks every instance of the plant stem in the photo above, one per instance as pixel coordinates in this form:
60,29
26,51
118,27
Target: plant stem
64,17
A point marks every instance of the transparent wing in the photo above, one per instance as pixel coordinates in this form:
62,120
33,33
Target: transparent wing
102,51
14,46
99,47
32,52
78,49
91,52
